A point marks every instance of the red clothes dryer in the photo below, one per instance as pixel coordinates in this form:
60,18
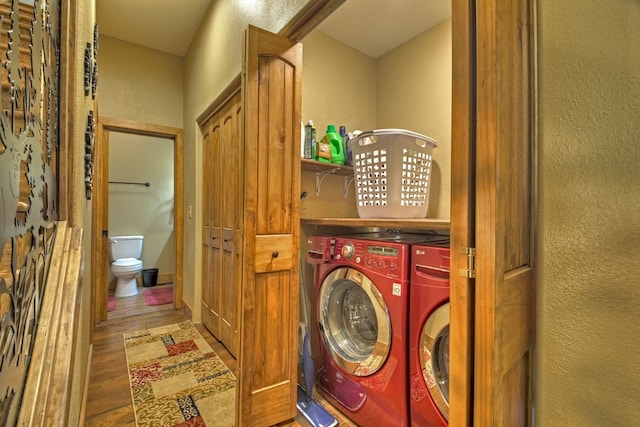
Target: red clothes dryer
362,310
429,335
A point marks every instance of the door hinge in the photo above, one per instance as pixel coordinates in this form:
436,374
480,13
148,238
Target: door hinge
470,271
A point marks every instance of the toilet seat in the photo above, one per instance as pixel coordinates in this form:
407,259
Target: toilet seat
127,262
126,265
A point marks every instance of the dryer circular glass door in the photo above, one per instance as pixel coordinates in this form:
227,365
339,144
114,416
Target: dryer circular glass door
354,321
434,357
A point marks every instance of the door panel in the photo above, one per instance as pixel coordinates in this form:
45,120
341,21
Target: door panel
222,220
271,95
505,189
206,229
211,219
272,366
231,195
274,214
229,292
213,170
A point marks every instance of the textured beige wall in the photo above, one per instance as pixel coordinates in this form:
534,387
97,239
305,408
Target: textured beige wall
338,85
339,88
408,88
80,215
144,85
140,84
214,59
414,92
587,370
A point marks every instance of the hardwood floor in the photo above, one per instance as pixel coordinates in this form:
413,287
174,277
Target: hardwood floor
109,396
135,305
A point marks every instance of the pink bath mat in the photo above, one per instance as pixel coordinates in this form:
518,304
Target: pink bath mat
158,296
111,303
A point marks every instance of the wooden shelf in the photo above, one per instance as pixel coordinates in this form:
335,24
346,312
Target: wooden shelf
315,166
419,224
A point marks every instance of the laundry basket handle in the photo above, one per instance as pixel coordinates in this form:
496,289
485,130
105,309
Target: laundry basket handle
371,137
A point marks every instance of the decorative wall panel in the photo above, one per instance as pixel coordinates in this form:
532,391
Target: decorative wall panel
29,149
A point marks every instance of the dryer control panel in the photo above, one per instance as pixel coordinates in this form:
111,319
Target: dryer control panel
430,264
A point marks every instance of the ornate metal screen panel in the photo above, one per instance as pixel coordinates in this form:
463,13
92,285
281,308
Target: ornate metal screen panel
29,73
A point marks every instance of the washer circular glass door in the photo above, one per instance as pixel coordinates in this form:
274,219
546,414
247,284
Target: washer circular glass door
434,357
354,321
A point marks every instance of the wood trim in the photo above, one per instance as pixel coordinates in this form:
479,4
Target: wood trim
186,309
95,229
100,209
66,109
462,212
178,213
47,392
85,391
406,224
535,146
308,18
165,278
139,128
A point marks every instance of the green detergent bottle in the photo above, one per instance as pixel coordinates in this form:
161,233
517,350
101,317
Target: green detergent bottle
334,140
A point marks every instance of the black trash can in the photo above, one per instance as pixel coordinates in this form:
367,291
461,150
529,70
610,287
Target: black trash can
149,277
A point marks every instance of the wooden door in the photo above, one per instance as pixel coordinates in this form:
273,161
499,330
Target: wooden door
211,226
505,213
462,214
272,87
222,201
492,211
231,172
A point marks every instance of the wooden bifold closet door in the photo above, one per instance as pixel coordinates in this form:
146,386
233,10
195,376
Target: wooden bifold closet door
251,225
272,86
222,223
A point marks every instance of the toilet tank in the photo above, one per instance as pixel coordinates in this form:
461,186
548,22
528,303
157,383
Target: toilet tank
125,247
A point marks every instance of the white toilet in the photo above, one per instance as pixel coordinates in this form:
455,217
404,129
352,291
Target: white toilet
125,253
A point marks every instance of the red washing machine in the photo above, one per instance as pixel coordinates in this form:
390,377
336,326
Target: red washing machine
429,335
362,310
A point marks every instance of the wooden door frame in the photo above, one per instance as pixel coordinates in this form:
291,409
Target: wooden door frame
463,218
462,189
100,206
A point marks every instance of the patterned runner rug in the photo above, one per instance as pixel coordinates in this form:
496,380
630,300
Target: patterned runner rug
177,379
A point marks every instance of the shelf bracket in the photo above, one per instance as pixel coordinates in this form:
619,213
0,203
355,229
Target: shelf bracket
320,176
347,181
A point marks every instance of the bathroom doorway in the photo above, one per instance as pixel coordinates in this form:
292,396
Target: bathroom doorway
138,181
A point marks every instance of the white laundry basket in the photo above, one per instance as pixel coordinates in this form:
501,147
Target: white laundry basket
392,171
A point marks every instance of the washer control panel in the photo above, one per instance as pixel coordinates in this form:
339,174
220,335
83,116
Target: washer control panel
384,257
